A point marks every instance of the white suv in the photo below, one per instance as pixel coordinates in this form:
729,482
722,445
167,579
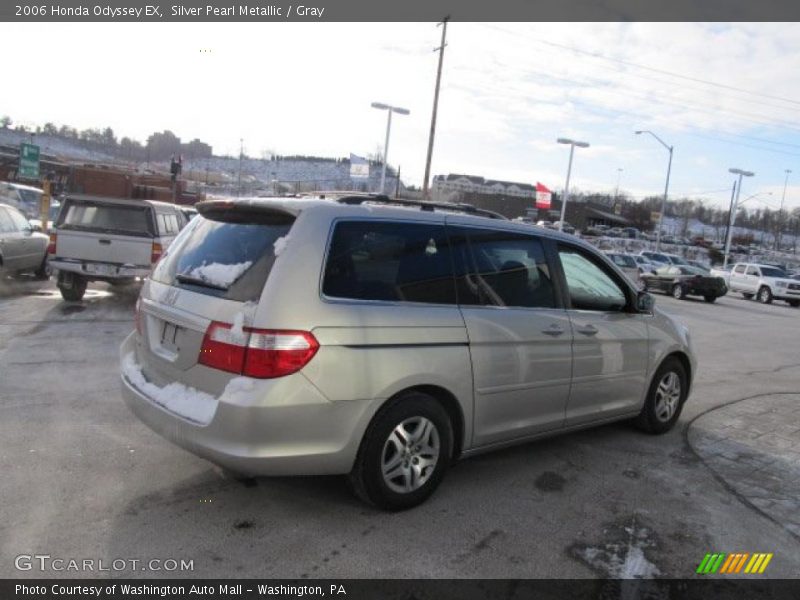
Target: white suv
765,282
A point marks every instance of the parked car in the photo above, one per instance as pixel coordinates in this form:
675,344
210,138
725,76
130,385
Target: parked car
108,239
384,339
699,265
566,229
765,282
685,280
24,198
21,248
656,258
644,264
596,230
626,264
188,212
631,233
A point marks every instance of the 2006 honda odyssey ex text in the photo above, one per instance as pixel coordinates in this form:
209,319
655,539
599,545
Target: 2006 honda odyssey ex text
384,339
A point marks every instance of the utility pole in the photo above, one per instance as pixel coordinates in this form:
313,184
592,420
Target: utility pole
779,232
397,184
440,50
241,155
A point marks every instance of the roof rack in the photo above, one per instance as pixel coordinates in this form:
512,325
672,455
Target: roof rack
421,204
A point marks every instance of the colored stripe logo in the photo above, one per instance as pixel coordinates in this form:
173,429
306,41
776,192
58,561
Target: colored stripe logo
735,563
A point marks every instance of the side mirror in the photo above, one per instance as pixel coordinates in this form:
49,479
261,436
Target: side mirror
645,302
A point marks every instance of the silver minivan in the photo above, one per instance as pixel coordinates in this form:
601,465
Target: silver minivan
384,339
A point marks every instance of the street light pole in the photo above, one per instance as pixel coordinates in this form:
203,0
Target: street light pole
779,233
616,189
666,185
390,109
572,144
741,173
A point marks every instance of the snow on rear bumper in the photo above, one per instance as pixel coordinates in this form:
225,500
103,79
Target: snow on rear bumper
290,429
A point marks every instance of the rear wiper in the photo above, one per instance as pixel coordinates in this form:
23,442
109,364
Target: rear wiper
184,278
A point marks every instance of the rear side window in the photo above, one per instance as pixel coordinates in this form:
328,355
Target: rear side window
399,262
108,218
739,269
228,254
167,224
501,268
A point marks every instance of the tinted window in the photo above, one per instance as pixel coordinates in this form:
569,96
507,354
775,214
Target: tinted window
590,287
229,256
109,218
403,262
501,268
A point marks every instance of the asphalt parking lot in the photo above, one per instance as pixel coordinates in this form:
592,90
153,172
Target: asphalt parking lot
83,478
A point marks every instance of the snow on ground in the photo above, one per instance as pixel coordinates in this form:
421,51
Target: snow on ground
220,274
177,398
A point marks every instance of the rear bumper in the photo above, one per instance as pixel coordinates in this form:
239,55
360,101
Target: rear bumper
289,429
84,269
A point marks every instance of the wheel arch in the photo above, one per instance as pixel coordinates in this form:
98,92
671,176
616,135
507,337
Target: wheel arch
681,357
446,399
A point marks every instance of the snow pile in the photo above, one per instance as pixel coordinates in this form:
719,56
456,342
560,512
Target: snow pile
219,274
177,398
280,245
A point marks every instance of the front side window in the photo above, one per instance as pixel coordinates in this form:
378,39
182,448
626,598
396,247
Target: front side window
590,287
752,271
396,262
501,268
6,224
739,269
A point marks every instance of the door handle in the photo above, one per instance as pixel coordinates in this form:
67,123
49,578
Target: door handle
588,330
554,330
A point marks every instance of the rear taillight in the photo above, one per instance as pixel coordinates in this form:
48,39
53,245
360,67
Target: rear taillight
51,247
260,353
137,316
156,252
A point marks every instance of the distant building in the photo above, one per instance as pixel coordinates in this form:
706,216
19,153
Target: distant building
445,186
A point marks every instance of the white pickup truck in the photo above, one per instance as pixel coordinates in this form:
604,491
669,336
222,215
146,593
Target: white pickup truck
765,282
107,239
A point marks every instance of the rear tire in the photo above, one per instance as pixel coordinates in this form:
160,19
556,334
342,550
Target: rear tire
665,398
765,295
794,303
710,298
76,292
404,454
43,272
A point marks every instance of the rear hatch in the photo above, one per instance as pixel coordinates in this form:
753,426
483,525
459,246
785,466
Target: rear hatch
203,294
105,232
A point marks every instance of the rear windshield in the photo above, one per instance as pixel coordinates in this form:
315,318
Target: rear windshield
87,215
226,255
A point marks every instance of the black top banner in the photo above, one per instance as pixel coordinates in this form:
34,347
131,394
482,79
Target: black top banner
398,10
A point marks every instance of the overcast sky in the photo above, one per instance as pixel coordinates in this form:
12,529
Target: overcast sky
508,91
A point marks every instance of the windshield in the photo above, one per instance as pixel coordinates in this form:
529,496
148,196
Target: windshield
622,260
29,196
772,272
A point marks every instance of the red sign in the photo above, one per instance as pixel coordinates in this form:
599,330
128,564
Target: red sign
543,196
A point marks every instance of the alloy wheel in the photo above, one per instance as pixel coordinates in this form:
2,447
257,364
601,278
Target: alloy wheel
410,454
668,395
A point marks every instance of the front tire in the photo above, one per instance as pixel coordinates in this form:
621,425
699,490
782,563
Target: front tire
794,303
765,295
678,292
665,398
404,454
710,299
